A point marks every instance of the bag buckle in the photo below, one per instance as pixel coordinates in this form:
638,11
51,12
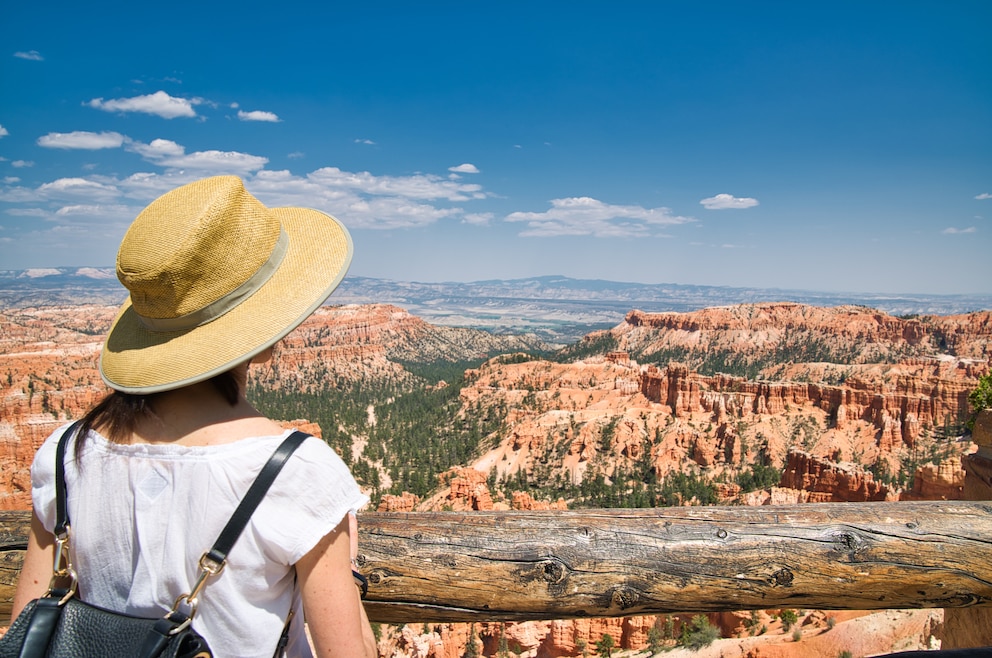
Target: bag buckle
208,567
62,568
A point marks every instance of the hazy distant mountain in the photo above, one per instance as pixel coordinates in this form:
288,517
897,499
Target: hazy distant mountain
557,308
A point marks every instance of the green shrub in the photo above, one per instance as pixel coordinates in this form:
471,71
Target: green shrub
605,646
698,633
788,617
980,399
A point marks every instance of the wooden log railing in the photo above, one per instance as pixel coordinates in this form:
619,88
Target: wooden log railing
435,567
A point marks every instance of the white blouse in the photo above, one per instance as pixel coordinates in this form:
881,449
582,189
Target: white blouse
143,514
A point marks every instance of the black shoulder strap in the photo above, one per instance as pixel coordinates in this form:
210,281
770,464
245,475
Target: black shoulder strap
229,535
254,496
61,504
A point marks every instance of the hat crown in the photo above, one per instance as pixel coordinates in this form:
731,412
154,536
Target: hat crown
194,245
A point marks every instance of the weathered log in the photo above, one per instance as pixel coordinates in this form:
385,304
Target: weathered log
588,563
600,563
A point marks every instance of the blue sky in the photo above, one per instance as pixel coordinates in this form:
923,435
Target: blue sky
836,146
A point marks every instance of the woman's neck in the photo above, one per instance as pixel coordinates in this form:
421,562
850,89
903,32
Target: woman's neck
199,414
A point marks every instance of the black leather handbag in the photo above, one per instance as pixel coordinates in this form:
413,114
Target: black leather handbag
60,625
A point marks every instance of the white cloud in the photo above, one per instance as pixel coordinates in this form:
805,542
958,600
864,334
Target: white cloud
156,149
220,161
78,188
82,140
3,132
418,186
478,219
96,212
20,164
10,180
258,115
588,216
160,104
369,142
727,202
391,213
464,169
983,196
32,55
360,199
363,200
951,230
296,155
166,153
27,212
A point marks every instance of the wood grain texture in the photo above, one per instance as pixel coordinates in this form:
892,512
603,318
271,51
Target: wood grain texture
477,566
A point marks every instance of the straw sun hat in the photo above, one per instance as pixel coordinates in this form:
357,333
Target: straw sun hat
215,278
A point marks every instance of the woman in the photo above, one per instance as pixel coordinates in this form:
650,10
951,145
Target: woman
215,280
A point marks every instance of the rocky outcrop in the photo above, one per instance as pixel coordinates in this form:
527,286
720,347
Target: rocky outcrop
918,394
941,481
405,502
855,334
831,482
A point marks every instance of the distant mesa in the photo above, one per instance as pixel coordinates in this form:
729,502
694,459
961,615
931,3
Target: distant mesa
96,273
40,272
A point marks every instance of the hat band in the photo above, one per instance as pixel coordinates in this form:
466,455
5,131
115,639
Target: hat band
215,309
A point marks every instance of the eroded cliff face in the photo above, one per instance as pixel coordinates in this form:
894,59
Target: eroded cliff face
49,356
859,334
594,416
821,422
899,400
48,375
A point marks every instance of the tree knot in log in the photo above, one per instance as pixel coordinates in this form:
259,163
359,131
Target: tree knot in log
782,578
446,561
851,543
624,597
554,571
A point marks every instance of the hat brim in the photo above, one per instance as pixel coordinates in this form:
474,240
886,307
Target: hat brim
137,360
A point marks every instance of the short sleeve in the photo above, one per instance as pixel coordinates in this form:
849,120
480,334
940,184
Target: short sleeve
43,480
309,498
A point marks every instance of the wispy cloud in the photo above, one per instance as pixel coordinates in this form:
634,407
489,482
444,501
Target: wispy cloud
31,55
360,199
983,196
464,169
258,115
588,216
296,155
951,230
20,164
478,219
78,189
728,202
82,140
3,132
166,153
159,104
368,142
417,186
